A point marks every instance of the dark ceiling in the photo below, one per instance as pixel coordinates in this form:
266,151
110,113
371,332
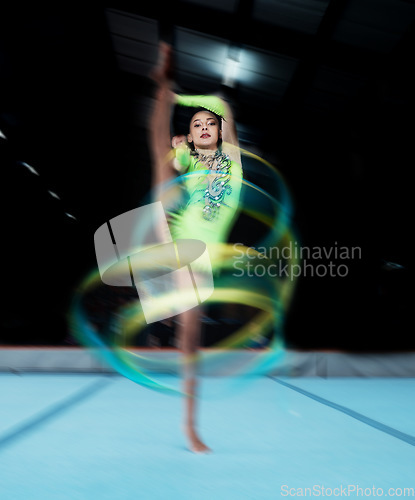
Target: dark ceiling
314,55
323,90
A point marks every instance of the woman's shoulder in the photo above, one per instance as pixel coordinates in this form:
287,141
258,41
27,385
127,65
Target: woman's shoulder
233,152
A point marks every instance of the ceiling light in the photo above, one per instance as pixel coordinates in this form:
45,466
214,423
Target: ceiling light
230,72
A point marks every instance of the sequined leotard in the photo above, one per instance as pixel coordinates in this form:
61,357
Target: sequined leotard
213,185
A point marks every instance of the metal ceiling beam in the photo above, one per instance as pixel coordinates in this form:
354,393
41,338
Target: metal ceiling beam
240,27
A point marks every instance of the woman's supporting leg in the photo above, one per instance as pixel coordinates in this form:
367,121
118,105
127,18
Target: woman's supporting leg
189,335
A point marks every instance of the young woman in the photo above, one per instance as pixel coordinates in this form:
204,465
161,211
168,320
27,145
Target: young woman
211,147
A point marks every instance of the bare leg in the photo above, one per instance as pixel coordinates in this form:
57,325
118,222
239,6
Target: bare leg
189,332
163,170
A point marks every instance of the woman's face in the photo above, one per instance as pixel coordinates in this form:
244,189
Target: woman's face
204,130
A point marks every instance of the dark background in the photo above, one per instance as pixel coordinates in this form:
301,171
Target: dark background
325,93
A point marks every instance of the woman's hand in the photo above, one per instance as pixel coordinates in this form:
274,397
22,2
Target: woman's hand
179,141
182,153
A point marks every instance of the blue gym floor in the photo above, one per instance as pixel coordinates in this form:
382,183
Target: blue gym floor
99,437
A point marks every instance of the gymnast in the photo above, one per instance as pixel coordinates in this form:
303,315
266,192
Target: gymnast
211,147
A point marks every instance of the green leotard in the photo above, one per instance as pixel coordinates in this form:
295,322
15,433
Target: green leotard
212,197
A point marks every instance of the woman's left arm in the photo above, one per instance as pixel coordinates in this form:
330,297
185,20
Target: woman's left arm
230,142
